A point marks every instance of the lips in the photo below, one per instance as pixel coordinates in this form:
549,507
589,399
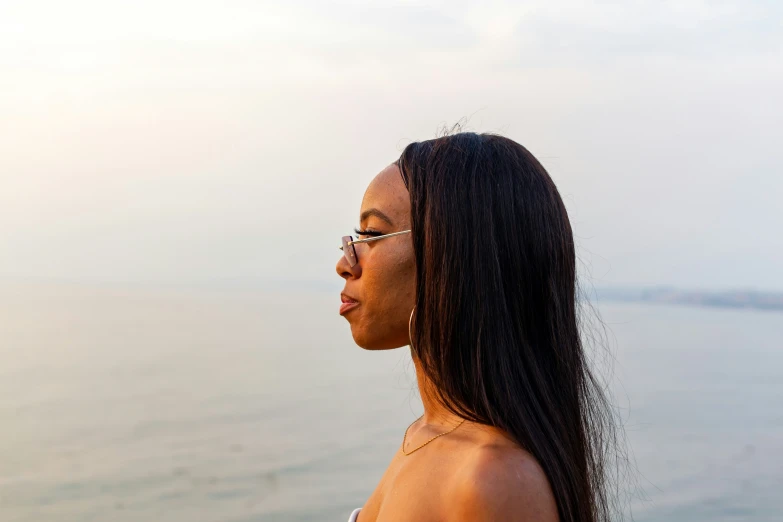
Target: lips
347,303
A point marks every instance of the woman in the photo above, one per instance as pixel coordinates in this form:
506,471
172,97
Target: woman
466,254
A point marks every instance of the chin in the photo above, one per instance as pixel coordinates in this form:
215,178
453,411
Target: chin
363,339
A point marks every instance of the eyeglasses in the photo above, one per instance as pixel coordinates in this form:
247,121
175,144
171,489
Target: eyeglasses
350,252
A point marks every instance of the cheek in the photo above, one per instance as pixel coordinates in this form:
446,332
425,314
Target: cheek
391,285
388,290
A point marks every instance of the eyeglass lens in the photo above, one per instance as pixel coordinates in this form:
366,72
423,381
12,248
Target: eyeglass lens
349,251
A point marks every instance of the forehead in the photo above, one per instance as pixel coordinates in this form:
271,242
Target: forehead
388,194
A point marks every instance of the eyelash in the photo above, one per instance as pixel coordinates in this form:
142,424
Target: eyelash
367,232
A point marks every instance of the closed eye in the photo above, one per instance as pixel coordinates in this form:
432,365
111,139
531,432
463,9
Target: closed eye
367,232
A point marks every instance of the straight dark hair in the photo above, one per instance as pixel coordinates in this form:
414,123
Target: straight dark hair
495,326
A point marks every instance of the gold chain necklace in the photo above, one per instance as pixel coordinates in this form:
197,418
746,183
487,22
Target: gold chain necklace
433,438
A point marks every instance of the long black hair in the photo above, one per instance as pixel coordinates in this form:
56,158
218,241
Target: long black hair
496,327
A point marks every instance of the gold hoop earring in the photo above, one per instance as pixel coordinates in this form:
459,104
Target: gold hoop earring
410,337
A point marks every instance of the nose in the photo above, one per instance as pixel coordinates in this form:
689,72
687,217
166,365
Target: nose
346,271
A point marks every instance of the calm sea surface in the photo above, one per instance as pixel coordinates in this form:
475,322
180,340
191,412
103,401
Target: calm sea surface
120,405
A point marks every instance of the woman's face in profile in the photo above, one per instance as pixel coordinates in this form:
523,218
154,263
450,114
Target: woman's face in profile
382,283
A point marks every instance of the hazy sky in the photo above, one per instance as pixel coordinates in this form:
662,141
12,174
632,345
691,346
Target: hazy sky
190,142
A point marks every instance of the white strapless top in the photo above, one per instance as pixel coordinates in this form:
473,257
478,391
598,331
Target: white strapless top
354,515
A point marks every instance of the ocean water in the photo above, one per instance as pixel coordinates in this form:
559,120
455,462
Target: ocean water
194,405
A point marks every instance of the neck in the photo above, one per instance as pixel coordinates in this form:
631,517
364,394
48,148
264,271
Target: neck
434,413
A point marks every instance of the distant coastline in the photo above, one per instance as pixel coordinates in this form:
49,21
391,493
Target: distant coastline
666,294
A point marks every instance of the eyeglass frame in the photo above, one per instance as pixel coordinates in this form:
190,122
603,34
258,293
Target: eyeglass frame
351,256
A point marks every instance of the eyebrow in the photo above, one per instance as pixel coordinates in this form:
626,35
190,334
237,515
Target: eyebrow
377,213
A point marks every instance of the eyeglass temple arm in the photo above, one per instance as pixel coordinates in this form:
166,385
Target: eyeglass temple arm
367,240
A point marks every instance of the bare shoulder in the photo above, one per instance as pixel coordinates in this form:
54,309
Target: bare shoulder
502,483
